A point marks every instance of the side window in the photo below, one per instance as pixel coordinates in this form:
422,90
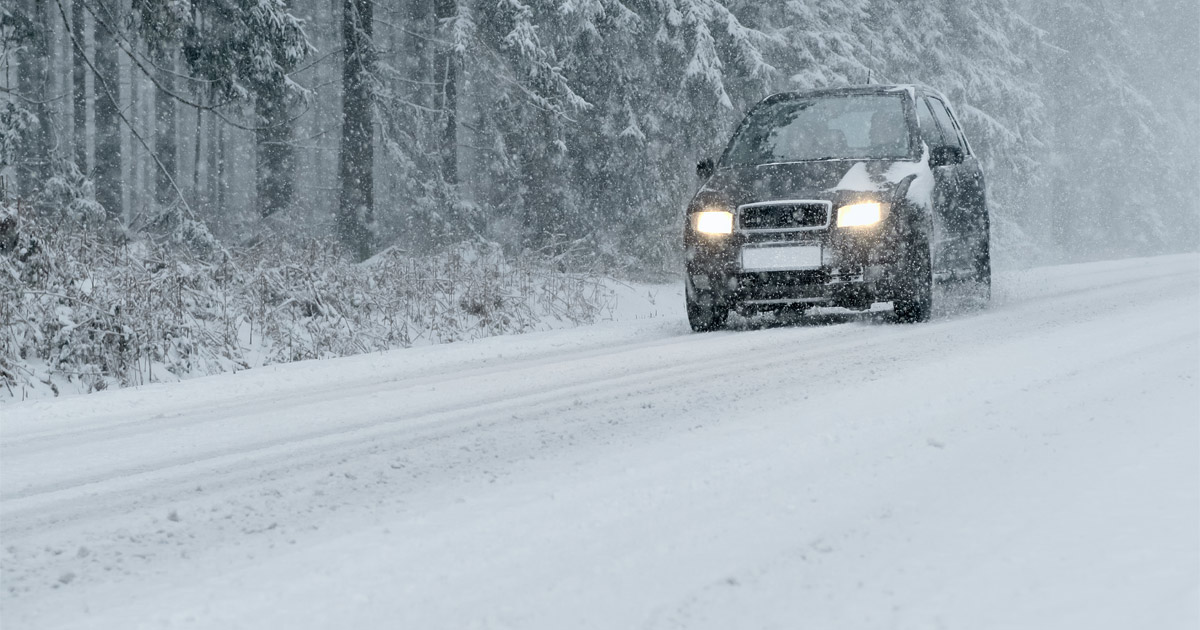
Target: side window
948,128
929,130
962,137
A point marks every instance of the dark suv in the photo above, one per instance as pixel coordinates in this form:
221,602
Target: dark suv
838,197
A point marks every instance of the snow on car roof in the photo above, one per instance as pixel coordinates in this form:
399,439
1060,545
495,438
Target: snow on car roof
846,90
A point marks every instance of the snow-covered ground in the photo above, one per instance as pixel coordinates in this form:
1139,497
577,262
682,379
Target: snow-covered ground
1032,465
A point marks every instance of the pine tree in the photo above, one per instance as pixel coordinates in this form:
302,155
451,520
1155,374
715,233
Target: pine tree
244,50
1101,121
161,27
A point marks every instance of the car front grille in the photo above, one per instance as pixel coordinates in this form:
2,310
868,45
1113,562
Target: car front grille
784,216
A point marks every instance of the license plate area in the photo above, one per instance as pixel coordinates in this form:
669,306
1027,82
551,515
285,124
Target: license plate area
781,257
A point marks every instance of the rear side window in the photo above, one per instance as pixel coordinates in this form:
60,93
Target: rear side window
949,130
929,130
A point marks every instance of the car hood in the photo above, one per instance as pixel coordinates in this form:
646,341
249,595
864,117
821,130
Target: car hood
833,180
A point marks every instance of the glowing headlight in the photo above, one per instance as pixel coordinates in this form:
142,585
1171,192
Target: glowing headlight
859,214
713,222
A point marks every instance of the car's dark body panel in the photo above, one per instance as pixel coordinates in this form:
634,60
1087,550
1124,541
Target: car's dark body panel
945,205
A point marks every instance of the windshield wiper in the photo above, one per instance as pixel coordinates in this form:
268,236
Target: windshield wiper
819,159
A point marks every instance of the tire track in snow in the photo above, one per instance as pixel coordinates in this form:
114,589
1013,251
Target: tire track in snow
571,393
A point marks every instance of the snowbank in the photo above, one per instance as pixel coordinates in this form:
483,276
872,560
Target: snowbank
80,315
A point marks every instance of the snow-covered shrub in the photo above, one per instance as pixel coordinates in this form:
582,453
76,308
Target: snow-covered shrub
70,192
79,314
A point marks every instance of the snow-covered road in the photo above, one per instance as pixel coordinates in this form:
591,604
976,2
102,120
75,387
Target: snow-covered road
1032,465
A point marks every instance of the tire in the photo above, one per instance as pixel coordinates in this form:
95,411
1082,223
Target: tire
983,269
705,312
915,303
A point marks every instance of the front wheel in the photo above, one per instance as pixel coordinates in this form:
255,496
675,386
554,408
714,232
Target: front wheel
915,303
705,311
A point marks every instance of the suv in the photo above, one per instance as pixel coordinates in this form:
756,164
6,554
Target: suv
837,197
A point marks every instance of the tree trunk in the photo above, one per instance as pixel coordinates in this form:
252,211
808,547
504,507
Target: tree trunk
448,69
276,167
107,113
356,158
165,147
221,185
210,184
196,157
31,84
136,157
79,86
416,49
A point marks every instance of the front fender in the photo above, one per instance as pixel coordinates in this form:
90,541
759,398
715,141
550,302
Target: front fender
912,214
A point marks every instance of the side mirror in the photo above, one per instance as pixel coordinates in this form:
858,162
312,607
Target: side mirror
705,168
945,156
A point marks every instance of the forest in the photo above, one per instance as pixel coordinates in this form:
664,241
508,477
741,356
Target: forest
177,176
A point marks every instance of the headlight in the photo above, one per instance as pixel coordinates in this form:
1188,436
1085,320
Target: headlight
859,214
713,222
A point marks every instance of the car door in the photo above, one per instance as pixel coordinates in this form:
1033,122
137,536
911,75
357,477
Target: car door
972,197
958,242
944,193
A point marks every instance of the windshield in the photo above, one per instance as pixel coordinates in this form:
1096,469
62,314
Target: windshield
830,127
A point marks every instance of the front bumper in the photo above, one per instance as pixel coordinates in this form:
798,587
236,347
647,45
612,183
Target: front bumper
858,266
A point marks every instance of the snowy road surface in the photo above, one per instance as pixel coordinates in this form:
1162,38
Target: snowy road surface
1032,465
